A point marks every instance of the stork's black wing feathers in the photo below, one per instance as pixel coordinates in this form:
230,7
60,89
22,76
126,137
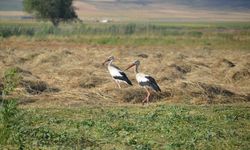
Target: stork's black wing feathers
153,83
123,78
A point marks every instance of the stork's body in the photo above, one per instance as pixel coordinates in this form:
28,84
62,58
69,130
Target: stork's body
145,81
116,73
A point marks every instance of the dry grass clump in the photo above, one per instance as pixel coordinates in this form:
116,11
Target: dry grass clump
91,81
142,55
195,76
34,87
205,78
183,69
242,74
177,71
37,87
225,63
32,84
239,73
199,93
135,95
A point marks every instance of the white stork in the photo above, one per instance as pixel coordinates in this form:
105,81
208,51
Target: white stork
117,74
145,81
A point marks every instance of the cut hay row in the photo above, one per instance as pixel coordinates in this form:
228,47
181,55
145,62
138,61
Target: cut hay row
72,75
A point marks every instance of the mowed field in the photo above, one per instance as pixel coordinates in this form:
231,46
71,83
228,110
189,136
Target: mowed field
67,100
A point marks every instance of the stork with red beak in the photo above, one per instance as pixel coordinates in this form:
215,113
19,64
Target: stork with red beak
116,73
145,81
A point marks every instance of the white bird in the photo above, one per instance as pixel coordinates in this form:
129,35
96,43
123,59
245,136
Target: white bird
117,74
145,81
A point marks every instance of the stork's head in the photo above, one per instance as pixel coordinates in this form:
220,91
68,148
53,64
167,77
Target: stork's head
110,58
135,63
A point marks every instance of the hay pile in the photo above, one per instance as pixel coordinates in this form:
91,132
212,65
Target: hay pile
54,73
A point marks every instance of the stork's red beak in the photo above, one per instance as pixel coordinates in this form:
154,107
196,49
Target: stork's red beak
130,66
105,62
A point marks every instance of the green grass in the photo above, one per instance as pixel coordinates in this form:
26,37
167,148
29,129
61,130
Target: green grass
15,28
153,127
218,35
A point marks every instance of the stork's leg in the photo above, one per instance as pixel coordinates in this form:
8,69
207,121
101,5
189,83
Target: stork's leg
144,100
147,97
118,84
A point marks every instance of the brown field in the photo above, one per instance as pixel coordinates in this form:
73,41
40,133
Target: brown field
12,13
58,73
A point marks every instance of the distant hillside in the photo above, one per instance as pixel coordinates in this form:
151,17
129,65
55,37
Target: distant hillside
152,10
214,4
16,5
207,4
11,5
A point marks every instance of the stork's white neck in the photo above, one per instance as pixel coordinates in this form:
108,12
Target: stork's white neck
110,63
